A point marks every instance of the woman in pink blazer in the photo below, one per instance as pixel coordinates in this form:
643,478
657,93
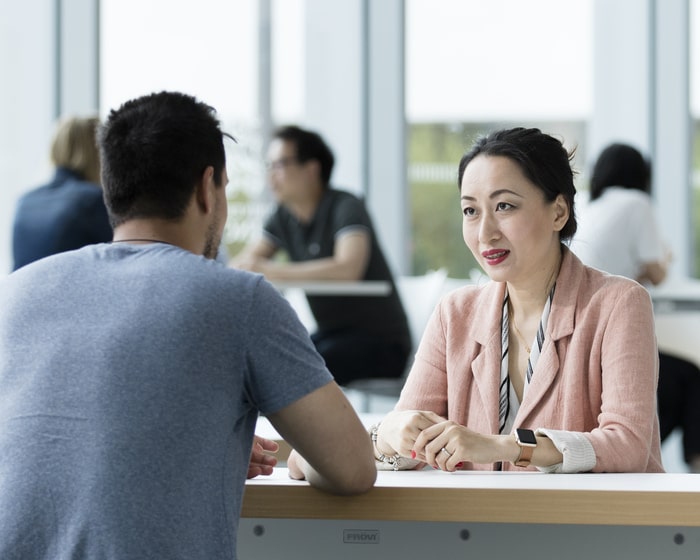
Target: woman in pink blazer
551,365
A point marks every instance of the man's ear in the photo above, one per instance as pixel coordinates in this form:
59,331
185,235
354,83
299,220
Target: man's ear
314,166
204,191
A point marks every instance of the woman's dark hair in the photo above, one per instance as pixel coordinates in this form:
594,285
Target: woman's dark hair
620,165
542,158
309,146
154,150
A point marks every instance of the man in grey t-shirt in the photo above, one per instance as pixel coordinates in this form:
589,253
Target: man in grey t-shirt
132,373
328,235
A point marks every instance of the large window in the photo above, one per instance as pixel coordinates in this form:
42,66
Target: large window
695,115
214,51
209,51
474,66
288,67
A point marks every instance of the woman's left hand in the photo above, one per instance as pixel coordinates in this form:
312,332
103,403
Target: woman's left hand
447,445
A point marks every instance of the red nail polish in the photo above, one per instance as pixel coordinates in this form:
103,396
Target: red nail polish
413,454
459,465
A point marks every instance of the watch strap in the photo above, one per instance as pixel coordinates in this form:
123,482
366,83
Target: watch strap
525,456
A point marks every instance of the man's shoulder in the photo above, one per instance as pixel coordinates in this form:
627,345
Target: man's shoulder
343,196
345,204
104,263
210,270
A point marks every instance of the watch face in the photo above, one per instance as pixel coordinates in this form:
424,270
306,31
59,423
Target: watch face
526,436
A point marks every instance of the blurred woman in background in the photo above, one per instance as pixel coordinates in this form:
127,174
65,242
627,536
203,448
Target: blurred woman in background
618,233
68,212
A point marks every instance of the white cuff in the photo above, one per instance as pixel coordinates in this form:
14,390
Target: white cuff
579,455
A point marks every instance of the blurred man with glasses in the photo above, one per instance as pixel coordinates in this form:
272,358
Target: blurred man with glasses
328,235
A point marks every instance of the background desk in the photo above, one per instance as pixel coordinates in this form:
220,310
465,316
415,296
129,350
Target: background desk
476,515
296,293
676,294
336,288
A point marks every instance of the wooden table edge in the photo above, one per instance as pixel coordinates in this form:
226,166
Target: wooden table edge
595,507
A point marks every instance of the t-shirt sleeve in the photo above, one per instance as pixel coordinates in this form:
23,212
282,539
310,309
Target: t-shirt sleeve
283,364
350,215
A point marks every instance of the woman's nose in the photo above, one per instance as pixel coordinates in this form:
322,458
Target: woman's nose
488,228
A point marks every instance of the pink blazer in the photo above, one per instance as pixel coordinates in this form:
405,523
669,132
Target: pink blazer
597,372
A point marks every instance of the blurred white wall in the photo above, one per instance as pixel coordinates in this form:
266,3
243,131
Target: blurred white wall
27,105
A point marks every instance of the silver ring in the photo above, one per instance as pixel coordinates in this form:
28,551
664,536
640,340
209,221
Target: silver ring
445,450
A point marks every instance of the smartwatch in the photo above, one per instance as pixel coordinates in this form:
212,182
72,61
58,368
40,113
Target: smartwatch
527,441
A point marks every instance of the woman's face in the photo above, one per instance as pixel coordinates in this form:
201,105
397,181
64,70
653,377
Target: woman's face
509,227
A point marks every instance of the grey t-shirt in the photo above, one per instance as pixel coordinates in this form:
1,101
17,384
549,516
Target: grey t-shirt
131,378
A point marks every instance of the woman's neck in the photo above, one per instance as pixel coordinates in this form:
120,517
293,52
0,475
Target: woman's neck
528,301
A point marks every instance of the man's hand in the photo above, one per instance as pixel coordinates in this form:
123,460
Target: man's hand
260,461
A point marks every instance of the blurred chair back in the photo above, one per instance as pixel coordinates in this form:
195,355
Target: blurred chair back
419,295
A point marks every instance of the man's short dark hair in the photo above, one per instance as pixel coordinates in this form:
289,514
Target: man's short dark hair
154,150
309,146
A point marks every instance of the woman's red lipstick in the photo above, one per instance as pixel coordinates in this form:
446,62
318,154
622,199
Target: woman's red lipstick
495,256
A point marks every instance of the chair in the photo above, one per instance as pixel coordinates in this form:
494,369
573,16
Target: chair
420,295
676,333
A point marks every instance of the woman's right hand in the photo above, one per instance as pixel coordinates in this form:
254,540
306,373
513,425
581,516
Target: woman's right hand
399,430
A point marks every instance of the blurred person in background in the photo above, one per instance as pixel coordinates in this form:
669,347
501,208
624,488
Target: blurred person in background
69,211
618,233
328,235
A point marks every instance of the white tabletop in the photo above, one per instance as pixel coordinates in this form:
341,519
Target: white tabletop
337,288
507,480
